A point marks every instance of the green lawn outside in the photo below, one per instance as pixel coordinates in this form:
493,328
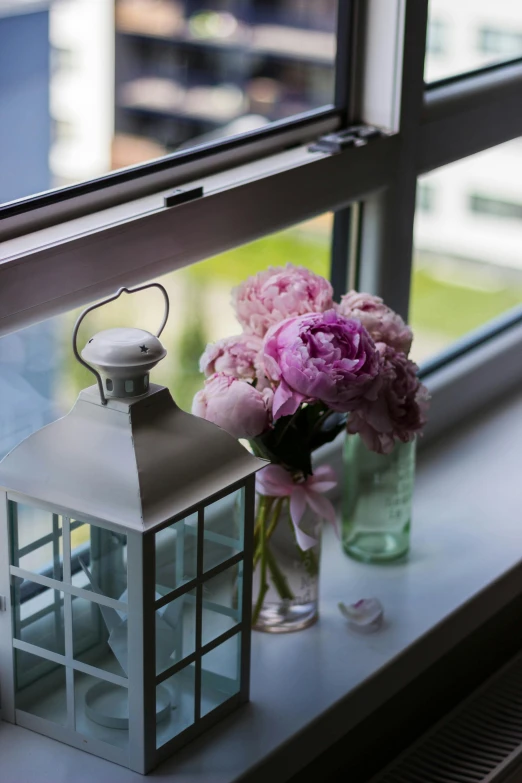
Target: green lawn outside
444,307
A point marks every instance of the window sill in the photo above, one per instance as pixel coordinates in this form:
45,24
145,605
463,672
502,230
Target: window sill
309,689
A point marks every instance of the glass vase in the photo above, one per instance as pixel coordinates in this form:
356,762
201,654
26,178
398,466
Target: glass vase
286,579
377,499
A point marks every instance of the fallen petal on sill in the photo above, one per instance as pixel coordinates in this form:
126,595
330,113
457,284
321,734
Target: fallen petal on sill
365,615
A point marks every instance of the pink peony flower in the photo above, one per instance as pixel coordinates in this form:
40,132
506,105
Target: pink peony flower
235,406
279,293
382,323
320,356
400,411
240,356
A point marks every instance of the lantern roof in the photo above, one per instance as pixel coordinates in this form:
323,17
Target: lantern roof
124,349
133,462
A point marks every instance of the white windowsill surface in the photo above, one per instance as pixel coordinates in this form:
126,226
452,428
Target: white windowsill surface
310,688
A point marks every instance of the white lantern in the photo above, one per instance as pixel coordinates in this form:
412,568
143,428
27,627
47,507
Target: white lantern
125,575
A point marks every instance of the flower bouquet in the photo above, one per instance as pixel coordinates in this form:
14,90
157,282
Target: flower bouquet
289,383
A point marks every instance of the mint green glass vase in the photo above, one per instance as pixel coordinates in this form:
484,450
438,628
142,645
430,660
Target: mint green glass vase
377,499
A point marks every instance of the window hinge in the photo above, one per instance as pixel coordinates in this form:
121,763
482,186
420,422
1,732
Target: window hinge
181,196
355,136
3,603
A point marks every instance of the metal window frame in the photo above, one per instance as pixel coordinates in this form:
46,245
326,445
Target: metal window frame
48,269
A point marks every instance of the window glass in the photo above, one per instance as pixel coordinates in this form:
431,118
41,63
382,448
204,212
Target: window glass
223,535
40,378
220,673
99,636
468,247
222,600
36,540
176,554
101,710
113,84
99,560
175,705
38,617
175,631
47,697
468,35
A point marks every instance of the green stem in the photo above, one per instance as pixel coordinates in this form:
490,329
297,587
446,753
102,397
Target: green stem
278,578
310,562
264,506
263,509
272,526
308,558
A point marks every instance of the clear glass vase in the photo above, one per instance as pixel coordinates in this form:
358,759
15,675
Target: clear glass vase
286,579
377,495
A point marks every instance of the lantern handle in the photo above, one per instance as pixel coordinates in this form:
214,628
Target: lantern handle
104,302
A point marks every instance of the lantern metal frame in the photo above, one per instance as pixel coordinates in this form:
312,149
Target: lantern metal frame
142,605
147,471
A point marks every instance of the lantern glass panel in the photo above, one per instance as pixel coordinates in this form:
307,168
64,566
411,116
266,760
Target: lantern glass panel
175,631
36,540
99,636
223,537
38,616
222,602
181,689
101,709
99,560
176,554
41,689
220,674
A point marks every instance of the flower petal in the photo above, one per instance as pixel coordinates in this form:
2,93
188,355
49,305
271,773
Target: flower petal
285,401
297,505
322,506
274,481
365,615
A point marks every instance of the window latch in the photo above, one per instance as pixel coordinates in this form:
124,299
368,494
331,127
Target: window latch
3,603
181,196
355,136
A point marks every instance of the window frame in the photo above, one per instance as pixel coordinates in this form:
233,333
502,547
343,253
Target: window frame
82,250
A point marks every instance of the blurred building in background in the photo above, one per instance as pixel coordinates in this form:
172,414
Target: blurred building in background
192,71
478,201
468,231
25,127
81,50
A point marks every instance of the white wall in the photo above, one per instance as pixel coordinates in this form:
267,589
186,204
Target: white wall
82,90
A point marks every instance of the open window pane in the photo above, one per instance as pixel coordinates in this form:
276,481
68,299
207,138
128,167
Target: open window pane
469,35
40,378
114,84
468,239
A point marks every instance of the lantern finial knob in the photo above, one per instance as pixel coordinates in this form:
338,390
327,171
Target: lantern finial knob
122,358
